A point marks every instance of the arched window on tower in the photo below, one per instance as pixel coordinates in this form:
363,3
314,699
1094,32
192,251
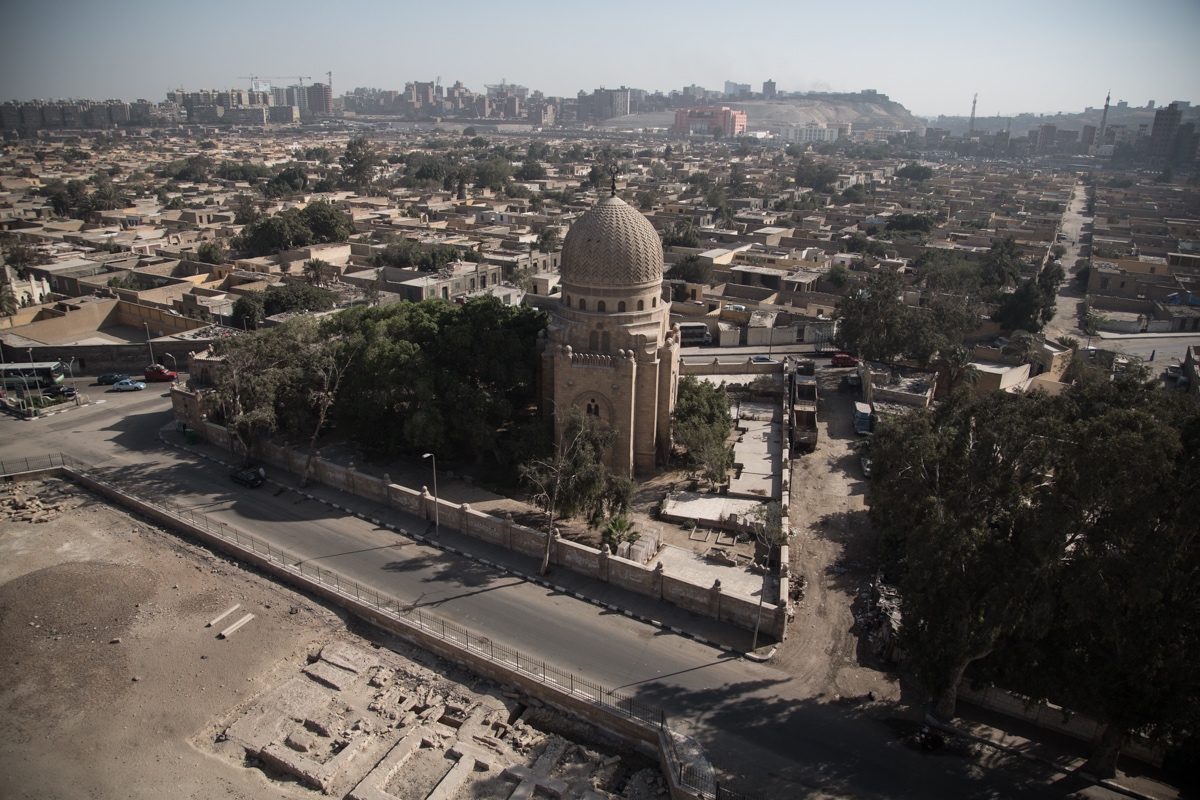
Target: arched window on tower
593,409
641,305
568,301
605,343
600,306
594,341
582,304
654,302
621,307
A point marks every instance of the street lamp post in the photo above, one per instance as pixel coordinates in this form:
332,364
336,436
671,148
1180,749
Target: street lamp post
71,367
437,528
174,363
35,380
149,346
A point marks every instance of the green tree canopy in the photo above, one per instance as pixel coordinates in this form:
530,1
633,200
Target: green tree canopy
359,163
212,251
915,172
530,171
1051,542
702,425
1003,264
692,269
910,222
684,234
438,377
316,223
574,481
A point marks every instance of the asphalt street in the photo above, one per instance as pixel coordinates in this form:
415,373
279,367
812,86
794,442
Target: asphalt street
747,715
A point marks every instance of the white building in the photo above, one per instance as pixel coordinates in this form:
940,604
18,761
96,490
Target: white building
810,132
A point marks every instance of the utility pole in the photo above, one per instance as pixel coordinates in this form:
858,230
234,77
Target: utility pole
149,346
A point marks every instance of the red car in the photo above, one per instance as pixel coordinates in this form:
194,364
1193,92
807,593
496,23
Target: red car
843,360
157,372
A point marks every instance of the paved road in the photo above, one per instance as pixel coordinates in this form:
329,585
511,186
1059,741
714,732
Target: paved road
747,715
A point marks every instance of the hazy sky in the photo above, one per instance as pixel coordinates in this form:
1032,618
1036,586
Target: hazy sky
929,55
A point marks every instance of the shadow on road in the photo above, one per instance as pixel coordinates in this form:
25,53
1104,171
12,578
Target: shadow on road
448,569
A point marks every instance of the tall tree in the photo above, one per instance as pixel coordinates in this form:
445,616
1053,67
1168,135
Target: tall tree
965,498
212,251
359,162
328,360
1002,264
702,425
573,480
874,323
1123,640
318,272
8,299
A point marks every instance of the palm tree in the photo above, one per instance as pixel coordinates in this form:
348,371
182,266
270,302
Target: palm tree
955,363
1023,346
106,198
318,272
617,531
1069,342
8,300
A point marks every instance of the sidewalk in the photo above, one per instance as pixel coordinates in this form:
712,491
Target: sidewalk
666,616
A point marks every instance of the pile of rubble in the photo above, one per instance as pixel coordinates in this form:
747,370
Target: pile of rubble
877,614
21,507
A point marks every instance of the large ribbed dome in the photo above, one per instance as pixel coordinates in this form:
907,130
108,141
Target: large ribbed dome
612,245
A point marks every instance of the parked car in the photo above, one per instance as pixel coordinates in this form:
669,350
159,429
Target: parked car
249,477
764,360
1174,372
60,391
157,372
843,360
128,386
111,378
854,380
866,466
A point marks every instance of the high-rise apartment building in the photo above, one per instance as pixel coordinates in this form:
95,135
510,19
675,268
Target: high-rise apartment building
1162,135
709,120
320,99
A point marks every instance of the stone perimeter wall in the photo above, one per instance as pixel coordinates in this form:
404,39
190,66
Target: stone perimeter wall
652,582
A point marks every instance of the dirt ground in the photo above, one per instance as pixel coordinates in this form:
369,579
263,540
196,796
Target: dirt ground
832,549
112,685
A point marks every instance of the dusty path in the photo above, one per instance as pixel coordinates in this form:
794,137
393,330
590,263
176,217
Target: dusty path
832,549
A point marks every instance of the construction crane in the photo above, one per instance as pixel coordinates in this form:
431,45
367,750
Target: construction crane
252,78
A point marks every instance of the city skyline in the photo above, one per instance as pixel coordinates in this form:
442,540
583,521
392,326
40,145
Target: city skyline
932,60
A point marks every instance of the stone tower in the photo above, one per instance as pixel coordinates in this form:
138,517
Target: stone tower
610,350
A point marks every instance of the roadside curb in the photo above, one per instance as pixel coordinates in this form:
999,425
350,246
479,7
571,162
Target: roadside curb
529,578
56,412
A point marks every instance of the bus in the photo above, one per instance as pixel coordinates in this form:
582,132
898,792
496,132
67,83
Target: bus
693,333
32,375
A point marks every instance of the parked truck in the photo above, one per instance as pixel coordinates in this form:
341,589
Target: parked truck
803,403
157,372
862,417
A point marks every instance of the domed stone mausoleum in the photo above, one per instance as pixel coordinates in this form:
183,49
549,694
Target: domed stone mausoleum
610,349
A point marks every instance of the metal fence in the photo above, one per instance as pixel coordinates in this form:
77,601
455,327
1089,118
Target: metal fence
576,685
705,783
12,466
